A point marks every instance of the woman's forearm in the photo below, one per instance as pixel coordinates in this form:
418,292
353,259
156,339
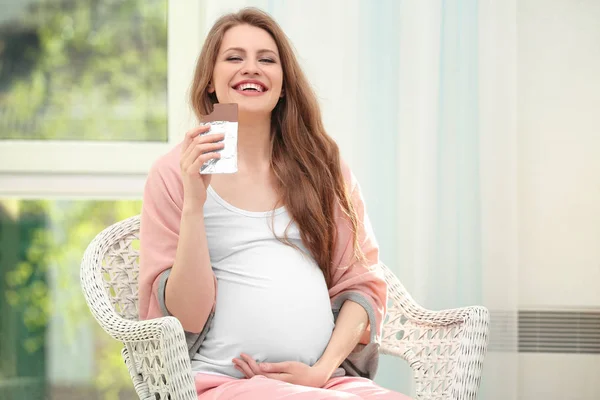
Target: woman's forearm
350,326
190,289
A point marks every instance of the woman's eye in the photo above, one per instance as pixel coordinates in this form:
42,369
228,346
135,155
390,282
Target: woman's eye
262,60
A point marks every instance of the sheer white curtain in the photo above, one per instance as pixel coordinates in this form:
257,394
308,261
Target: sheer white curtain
499,192
420,95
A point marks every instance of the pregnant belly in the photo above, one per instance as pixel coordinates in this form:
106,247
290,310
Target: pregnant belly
275,320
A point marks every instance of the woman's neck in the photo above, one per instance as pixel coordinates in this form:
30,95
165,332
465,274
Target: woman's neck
254,143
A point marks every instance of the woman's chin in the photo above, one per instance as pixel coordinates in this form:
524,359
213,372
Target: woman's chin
253,112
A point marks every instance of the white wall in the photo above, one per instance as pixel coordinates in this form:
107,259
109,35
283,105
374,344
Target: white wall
559,152
559,182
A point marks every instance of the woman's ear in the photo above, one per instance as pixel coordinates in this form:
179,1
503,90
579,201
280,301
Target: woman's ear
282,92
210,88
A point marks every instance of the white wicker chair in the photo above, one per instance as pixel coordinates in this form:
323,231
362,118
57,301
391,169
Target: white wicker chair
445,349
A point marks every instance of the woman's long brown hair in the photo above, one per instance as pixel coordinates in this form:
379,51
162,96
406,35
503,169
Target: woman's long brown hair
305,160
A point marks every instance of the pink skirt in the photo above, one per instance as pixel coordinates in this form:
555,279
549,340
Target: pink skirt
216,387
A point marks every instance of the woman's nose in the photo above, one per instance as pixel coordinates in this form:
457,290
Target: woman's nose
250,68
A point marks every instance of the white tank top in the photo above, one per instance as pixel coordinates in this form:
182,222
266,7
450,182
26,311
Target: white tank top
272,300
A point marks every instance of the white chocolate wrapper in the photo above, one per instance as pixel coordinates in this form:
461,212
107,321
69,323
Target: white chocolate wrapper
227,164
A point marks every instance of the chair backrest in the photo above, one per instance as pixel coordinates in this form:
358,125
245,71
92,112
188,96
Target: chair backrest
111,269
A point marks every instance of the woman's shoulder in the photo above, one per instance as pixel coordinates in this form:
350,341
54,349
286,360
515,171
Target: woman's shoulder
164,177
348,175
166,167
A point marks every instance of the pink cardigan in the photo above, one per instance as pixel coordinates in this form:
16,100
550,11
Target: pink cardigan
351,279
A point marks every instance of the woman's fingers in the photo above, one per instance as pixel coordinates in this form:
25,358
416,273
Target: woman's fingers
242,366
198,154
212,138
200,161
252,364
200,149
193,133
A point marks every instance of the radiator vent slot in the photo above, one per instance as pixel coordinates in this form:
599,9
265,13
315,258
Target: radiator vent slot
559,331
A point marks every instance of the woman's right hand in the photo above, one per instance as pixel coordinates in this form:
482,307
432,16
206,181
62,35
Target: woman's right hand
197,150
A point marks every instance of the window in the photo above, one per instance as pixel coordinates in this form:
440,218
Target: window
91,93
86,86
51,346
84,71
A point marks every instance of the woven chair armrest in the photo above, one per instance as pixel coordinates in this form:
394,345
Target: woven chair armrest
446,317
158,350
406,328
164,328
444,348
401,304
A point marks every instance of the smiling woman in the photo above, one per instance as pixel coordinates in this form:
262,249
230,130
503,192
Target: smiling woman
272,265
245,69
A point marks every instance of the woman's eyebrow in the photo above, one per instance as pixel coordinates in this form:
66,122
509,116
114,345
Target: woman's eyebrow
241,50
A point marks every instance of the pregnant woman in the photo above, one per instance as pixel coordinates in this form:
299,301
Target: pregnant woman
271,270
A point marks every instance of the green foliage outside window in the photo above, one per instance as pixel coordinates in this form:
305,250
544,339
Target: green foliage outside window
84,70
70,70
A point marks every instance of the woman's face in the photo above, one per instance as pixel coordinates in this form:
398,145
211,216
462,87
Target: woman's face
248,70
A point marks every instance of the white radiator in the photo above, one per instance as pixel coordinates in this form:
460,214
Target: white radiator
559,354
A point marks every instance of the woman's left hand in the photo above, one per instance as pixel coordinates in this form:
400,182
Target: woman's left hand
289,371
